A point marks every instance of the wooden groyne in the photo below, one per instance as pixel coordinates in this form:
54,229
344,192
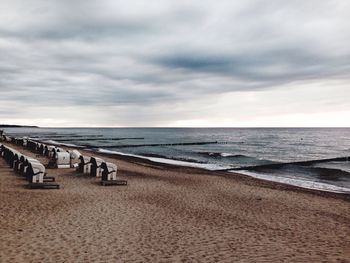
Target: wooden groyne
278,165
153,144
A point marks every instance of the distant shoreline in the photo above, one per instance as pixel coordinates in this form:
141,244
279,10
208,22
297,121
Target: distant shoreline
16,126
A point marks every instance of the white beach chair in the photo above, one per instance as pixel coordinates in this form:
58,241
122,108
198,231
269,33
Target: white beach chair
62,159
109,175
48,150
26,163
84,164
36,176
74,158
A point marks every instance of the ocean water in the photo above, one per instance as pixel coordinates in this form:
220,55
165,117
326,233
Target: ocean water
245,149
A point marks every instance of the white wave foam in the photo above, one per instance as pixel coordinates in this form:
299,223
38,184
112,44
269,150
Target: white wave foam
299,182
63,144
211,167
227,154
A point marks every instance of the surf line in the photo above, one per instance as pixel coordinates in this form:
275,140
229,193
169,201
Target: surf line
278,165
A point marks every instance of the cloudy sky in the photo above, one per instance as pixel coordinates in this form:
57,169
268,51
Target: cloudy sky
175,63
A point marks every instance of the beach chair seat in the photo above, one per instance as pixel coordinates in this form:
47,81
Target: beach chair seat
109,175
96,169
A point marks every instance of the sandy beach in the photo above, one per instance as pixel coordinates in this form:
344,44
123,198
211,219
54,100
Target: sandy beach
168,214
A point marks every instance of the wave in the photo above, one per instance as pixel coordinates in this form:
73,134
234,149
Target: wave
223,155
62,144
185,159
207,166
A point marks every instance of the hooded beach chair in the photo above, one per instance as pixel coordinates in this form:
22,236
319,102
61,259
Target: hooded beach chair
48,150
62,159
19,141
109,175
36,176
31,145
25,164
19,163
74,158
16,161
96,166
41,149
84,165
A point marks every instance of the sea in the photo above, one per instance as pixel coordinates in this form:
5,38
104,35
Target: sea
294,156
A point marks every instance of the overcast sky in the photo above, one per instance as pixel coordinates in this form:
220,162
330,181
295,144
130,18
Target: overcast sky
175,63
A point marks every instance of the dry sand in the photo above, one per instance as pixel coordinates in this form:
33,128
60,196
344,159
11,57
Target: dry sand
169,214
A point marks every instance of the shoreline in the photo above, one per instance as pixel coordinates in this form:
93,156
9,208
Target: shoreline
177,163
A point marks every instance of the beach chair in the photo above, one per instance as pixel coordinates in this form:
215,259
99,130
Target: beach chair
62,159
7,154
19,141
31,145
2,149
16,161
84,165
54,151
74,158
10,156
19,163
48,150
25,165
8,138
41,148
109,175
25,142
36,176
96,166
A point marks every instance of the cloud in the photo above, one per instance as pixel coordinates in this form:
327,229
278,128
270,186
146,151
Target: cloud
162,63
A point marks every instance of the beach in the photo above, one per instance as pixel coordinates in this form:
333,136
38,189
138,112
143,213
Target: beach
168,214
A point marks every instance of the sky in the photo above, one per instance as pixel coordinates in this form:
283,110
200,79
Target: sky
183,63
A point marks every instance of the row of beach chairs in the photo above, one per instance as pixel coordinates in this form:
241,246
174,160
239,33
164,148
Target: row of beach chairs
61,158
28,167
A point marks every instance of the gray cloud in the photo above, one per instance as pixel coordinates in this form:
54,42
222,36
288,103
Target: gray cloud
170,58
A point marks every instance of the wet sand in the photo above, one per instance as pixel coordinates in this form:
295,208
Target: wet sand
168,214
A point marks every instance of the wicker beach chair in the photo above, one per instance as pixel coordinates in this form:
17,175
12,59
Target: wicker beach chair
84,165
35,174
109,175
96,169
